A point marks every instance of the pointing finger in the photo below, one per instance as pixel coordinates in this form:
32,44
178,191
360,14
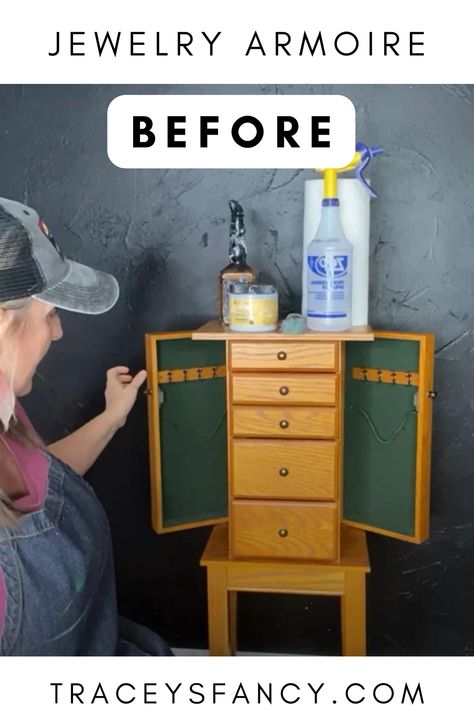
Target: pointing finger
139,379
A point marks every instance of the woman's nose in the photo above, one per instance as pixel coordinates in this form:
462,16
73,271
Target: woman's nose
57,330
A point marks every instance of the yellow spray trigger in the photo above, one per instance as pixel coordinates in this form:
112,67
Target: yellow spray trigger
330,176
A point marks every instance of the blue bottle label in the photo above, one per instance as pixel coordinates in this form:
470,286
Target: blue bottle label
334,265
328,286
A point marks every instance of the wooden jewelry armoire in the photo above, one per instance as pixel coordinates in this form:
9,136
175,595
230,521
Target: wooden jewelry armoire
292,446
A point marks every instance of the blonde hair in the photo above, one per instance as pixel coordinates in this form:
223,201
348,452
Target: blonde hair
17,430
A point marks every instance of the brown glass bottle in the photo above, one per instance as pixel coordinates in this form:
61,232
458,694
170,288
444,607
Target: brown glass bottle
237,269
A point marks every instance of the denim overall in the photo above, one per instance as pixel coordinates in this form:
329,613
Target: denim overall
59,578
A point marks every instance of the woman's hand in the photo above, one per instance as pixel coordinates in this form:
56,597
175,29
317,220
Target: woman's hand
81,448
121,392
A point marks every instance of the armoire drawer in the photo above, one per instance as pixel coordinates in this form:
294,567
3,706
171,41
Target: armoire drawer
285,388
290,469
289,422
281,355
265,529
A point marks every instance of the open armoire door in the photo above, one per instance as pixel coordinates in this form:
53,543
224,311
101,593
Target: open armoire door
187,430
387,441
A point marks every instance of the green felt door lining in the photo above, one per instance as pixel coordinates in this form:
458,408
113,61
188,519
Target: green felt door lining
380,424
193,435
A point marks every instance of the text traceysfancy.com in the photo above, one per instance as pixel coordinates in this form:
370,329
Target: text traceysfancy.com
315,44
215,693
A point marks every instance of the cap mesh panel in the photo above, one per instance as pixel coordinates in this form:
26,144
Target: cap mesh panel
19,274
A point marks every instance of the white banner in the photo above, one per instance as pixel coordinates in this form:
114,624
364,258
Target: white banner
44,684
210,41
231,131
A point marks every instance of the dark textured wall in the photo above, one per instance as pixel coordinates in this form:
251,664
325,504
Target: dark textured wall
164,235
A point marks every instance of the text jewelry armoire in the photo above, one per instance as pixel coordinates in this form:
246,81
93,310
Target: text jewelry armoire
293,446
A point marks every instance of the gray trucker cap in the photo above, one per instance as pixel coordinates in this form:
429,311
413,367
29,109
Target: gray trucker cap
32,265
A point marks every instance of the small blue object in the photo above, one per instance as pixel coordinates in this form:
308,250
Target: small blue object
366,153
293,323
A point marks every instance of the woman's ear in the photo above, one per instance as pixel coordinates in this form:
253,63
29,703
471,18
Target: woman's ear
7,396
7,401
6,317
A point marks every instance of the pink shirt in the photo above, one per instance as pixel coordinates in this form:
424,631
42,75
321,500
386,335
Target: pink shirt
33,466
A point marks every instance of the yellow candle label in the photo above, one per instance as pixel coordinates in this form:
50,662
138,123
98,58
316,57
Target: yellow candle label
248,311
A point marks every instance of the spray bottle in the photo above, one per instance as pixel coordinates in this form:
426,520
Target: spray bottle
237,269
329,255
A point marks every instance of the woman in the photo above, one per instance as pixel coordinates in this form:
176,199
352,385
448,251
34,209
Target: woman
57,587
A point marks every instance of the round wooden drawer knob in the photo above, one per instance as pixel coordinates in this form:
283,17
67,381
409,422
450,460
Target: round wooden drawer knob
284,424
284,390
283,471
281,355
283,532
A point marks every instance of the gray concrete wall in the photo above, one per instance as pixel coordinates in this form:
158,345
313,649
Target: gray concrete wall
164,235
